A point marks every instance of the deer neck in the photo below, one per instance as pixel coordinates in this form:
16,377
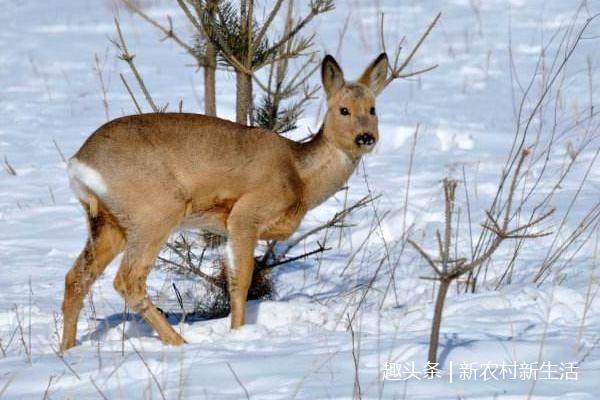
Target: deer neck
323,168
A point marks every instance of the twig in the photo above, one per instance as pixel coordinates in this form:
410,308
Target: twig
128,58
98,389
180,301
168,32
6,385
22,334
47,391
137,106
160,389
426,256
265,25
30,301
395,69
355,359
334,221
99,68
8,167
317,7
320,249
61,357
60,153
237,379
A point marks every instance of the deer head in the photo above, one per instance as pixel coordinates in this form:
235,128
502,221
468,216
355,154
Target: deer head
351,120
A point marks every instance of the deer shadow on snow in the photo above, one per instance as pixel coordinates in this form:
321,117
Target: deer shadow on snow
136,327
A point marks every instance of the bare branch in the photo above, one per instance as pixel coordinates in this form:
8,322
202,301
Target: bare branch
316,7
426,256
237,379
417,72
319,249
395,69
128,58
167,31
334,221
265,26
137,106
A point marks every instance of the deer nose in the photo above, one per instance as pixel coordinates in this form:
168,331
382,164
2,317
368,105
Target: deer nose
365,139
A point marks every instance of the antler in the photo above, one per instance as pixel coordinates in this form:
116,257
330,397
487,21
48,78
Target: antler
397,67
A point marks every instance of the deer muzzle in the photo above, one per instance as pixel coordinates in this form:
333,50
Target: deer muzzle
365,140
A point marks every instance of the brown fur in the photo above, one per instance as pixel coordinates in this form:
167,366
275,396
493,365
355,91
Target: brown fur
167,170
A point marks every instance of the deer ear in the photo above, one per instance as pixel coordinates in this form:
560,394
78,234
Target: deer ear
331,76
375,75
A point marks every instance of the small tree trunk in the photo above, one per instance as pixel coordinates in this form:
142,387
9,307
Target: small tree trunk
210,68
210,98
243,81
437,319
243,97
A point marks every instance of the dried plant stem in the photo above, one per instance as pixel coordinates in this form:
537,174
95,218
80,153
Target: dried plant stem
128,58
60,152
69,367
357,393
135,103
591,293
98,389
152,375
237,379
99,71
22,334
9,168
6,385
47,391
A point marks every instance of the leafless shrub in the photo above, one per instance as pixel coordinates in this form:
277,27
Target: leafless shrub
210,298
447,268
520,205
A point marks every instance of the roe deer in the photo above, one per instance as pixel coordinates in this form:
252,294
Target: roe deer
140,177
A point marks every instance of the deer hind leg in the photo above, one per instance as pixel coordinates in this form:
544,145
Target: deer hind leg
130,282
105,241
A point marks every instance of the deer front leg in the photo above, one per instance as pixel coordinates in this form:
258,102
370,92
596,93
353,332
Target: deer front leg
240,266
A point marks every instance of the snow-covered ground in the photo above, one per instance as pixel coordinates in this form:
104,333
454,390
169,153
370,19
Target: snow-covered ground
298,345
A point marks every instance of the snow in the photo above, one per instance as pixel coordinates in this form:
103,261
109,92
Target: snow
298,344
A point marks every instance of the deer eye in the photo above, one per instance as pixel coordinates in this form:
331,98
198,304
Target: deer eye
344,111
372,111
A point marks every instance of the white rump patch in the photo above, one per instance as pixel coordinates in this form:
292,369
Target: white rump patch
229,257
84,177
